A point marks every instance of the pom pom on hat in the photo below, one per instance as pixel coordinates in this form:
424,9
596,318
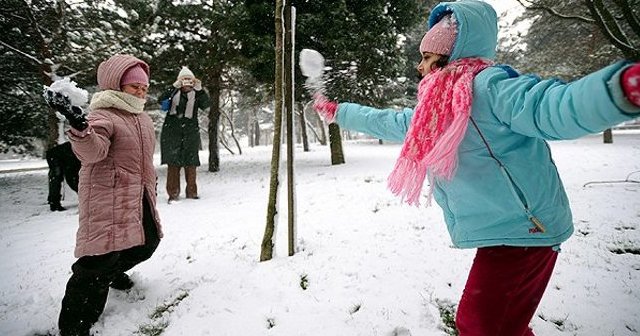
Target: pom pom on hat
441,37
134,75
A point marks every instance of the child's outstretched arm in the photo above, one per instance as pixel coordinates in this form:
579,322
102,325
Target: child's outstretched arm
553,110
385,124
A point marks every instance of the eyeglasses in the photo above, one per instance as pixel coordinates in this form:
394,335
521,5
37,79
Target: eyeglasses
138,87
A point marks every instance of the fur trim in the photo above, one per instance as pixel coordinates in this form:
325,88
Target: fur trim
118,100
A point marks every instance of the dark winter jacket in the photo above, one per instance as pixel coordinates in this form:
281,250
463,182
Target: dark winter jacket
180,137
63,166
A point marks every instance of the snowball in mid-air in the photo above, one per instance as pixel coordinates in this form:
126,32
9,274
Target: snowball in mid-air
311,63
78,96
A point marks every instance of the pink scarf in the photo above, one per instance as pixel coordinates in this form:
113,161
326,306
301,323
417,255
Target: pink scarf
437,128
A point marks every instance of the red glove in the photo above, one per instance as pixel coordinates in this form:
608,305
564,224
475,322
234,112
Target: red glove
325,107
631,84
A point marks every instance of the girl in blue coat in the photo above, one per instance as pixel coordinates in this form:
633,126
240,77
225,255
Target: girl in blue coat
478,135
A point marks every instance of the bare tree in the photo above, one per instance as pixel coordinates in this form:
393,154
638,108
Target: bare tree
617,21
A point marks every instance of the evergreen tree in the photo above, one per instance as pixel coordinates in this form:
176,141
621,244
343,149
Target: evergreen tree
43,41
207,38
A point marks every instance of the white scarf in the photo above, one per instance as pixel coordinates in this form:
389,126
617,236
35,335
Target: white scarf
191,99
117,99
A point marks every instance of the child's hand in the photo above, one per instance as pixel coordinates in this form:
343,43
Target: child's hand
631,84
62,104
325,107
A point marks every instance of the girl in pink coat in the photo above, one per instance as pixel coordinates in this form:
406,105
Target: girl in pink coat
119,224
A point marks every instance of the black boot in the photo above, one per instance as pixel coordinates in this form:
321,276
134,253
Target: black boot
83,332
56,206
121,282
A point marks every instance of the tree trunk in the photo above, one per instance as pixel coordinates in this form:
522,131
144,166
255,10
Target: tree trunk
266,251
233,132
303,130
256,129
607,136
214,118
45,53
321,127
289,16
250,132
335,143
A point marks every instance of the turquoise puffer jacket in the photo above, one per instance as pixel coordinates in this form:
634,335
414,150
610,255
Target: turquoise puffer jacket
515,197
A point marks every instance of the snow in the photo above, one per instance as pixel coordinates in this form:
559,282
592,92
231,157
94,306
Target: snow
311,63
312,66
370,265
66,86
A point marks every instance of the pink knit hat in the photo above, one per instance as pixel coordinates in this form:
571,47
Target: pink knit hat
111,71
135,75
441,37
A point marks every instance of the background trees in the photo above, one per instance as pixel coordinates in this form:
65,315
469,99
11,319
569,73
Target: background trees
369,47
42,41
570,38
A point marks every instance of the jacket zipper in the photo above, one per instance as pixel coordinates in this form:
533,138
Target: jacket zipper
515,190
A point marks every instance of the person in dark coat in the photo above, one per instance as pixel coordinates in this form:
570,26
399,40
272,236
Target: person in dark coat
180,137
63,166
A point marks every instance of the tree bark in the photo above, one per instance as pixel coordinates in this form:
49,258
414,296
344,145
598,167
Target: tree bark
303,129
266,252
289,104
335,143
607,136
215,89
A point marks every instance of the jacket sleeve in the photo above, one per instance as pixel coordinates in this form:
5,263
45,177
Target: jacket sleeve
92,144
385,124
551,109
204,101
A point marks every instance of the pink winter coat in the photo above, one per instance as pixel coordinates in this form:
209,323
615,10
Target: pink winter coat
116,152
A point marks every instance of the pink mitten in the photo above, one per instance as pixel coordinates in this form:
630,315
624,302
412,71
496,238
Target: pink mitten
325,107
631,84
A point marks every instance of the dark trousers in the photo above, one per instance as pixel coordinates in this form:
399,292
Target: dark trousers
504,288
173,181
63,165
88,287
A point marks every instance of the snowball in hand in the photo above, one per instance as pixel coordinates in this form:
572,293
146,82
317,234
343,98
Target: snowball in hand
78,96
311,63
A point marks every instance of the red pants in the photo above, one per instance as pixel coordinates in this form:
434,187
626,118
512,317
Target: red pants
504,288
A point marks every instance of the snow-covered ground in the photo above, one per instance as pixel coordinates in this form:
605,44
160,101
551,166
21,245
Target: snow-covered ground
366,265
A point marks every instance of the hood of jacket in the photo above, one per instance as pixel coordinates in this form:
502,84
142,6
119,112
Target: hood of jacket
110,71
477,28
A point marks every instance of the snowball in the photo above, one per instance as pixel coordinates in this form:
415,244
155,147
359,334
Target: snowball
311,63
78,96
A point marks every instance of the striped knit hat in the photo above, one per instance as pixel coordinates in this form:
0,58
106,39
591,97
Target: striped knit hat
110,72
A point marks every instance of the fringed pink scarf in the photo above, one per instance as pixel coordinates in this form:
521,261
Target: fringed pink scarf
437,128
